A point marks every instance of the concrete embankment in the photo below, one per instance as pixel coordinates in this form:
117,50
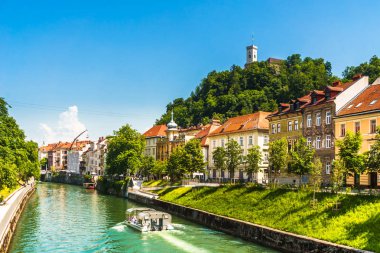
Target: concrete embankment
10,211
283,241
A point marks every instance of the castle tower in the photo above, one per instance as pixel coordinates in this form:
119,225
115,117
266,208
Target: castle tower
251,54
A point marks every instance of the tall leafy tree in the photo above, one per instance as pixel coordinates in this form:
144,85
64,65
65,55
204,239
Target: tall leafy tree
125,151
219,158
278,157
233,156
301,158
147,166
18,158
373,163
338,174
176,166
193,158
315,175
371,69
253,160
349,147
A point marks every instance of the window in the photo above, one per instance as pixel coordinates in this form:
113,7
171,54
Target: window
308,122
318,142
273,128
358,105
328,167
266,139
241,141
350,106
289,126
342,129
266,157
318,119
328,141
250,140
373,126
357,127
309,141
214,144
373,101
328,117
295,125
222,143
278,128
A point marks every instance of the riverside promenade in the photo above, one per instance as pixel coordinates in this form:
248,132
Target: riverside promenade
10,210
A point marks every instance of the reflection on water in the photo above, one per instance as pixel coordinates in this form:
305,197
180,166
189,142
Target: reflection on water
65,218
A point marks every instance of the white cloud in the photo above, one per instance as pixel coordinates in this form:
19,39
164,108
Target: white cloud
67,128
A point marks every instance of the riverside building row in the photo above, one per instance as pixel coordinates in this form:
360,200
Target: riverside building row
322,117
80,157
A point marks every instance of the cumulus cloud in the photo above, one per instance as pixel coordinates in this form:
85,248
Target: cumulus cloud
66,129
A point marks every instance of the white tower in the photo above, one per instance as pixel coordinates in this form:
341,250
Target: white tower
172,128
251,54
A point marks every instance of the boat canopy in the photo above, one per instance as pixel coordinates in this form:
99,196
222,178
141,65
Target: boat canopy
154,215
139,209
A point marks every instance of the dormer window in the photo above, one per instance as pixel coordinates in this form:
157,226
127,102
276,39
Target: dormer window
314,98
358,105
373,102
327,95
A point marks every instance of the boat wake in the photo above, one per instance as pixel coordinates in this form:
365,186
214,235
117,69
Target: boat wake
181,244
119,227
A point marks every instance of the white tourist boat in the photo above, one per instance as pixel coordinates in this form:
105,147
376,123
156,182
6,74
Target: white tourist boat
148,219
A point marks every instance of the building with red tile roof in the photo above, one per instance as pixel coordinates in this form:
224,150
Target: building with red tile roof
361,114
248,130
311,116
318,119
151,137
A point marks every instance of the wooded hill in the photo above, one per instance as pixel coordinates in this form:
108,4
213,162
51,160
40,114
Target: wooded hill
259,86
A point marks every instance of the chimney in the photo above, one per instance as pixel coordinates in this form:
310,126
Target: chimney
215,122
357,77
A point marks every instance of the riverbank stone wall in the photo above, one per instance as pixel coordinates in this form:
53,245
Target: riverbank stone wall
273,238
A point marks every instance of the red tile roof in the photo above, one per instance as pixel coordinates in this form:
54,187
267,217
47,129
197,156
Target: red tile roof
362,103
243,123
156,131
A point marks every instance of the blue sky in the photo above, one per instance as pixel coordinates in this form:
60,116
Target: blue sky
121,62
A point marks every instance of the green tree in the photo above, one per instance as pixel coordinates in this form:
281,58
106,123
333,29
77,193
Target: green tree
373,162
278,157
18,158
176,166
259,86
43,163
193,159
233,156
301,158
338,173
253,160
147,166
353,162
125,151
315,178
371,69
159,169
219,158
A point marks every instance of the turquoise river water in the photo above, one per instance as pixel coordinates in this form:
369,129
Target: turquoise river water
66,218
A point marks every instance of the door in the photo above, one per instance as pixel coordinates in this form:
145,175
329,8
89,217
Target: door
373,179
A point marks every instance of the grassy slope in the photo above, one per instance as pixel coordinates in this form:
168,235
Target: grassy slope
356,224
155,183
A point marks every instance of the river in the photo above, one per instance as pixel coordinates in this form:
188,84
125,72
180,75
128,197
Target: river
66,218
